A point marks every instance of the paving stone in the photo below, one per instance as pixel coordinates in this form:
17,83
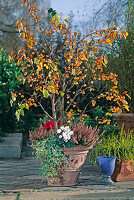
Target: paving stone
11,146
76,194
8,196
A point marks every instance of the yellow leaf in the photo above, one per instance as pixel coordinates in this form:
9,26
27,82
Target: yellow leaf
74,43
89,40
128,96
24,80
56,21
96,118
105,59
109,41
96,35
73,71
126,107
31,43
55,68
17,113
43,91
22,35
125,35
57,16
46,94
104,64
27,106
116,91
67,20
46,66
85,47
9,58
18,62
52,88
52,18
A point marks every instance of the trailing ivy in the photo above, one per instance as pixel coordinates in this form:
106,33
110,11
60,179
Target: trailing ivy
51,156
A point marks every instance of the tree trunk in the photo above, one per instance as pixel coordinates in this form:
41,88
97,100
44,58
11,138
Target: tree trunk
62,103
62,110
54,113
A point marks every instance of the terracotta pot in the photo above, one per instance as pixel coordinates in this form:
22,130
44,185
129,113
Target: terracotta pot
124,171
69,176
127,119
66,178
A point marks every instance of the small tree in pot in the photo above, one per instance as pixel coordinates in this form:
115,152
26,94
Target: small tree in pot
60,73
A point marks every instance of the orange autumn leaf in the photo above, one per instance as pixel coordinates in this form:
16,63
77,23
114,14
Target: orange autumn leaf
37,28
93,102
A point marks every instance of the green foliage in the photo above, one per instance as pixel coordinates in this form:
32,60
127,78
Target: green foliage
110,129
100,118
9,73
121,57
8,81
121,146
61,143
43,121
51,156
27,122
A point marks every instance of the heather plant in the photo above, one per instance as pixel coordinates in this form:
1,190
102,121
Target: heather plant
60,74
84,135
43,131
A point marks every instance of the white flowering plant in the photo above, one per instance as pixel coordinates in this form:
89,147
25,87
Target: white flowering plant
65,137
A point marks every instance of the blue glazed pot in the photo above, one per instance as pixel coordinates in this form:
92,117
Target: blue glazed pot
107,165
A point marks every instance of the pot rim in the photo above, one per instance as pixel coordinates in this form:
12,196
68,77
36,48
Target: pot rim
107,157
78,148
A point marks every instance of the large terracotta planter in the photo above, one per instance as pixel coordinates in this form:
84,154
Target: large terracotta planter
124,171
69,176
126,118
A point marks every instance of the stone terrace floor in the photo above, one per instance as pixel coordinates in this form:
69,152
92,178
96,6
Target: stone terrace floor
23,175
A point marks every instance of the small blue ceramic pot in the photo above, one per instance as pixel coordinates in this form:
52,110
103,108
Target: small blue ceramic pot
107,165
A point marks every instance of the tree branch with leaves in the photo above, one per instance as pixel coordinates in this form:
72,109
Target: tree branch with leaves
60,73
